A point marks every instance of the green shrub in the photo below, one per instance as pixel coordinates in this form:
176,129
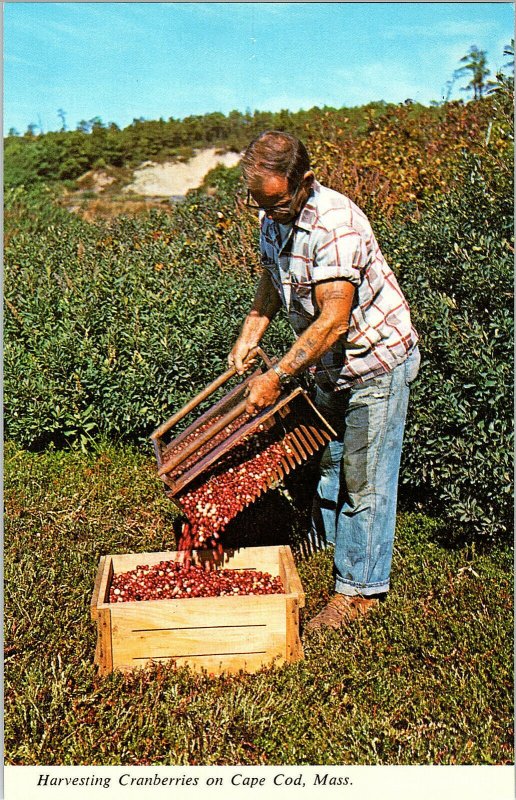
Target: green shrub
108,328
456,270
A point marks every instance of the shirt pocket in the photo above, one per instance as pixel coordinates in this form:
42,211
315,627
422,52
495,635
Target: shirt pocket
301,296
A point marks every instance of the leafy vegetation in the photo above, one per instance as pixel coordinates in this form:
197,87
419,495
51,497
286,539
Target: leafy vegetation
427,681
458,445
65,155
110,327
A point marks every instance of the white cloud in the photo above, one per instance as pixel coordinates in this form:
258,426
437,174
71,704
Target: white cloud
441,30
382,80
17,61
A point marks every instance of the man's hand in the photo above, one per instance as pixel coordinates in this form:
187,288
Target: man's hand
239,356
265,306
264,390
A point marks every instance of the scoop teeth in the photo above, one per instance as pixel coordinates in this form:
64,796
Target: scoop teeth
299,446
309,433
292,443
288,453
303,438
317,435
326,436
285,464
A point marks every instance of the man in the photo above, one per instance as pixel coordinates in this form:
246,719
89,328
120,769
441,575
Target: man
322,263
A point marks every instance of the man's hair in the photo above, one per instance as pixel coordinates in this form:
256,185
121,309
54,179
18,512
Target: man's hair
276,153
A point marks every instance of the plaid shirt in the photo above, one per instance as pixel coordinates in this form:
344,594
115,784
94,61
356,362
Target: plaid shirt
332,238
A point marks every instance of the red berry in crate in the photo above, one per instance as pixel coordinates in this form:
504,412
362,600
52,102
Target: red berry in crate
173,580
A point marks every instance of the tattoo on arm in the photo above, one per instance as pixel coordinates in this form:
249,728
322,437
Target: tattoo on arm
334,294
299,358
335,290
335,300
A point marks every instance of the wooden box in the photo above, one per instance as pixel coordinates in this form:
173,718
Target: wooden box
218,634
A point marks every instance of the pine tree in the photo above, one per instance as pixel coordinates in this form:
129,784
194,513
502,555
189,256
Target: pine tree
475,64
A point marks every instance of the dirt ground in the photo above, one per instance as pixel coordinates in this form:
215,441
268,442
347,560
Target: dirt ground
107,193
175,179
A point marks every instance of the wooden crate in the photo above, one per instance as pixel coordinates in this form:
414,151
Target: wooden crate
213,633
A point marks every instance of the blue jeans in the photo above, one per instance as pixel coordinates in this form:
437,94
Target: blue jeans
355,502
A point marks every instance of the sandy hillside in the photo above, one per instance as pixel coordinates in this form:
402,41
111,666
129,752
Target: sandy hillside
175,179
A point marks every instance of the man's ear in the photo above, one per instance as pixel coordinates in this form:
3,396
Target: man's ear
308,177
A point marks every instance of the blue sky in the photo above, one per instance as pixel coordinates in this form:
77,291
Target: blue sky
121,61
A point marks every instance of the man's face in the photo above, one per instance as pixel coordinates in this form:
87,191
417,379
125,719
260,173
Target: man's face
272,194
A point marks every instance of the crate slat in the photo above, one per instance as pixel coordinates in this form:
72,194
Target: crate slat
104,651
96,588
291,577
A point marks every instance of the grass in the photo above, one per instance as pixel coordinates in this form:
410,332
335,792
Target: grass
427,679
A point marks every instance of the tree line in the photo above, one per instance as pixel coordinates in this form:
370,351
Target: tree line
65,155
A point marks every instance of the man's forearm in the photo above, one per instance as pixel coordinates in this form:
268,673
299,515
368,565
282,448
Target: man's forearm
311,345
335,300
265,307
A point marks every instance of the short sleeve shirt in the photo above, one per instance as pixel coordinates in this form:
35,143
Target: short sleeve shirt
332,239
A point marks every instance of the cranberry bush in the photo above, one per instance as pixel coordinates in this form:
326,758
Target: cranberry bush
456,267
110,326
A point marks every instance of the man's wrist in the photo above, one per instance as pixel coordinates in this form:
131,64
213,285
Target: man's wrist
282,376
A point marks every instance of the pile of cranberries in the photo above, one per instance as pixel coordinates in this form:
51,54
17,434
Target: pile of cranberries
210,506
170,580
